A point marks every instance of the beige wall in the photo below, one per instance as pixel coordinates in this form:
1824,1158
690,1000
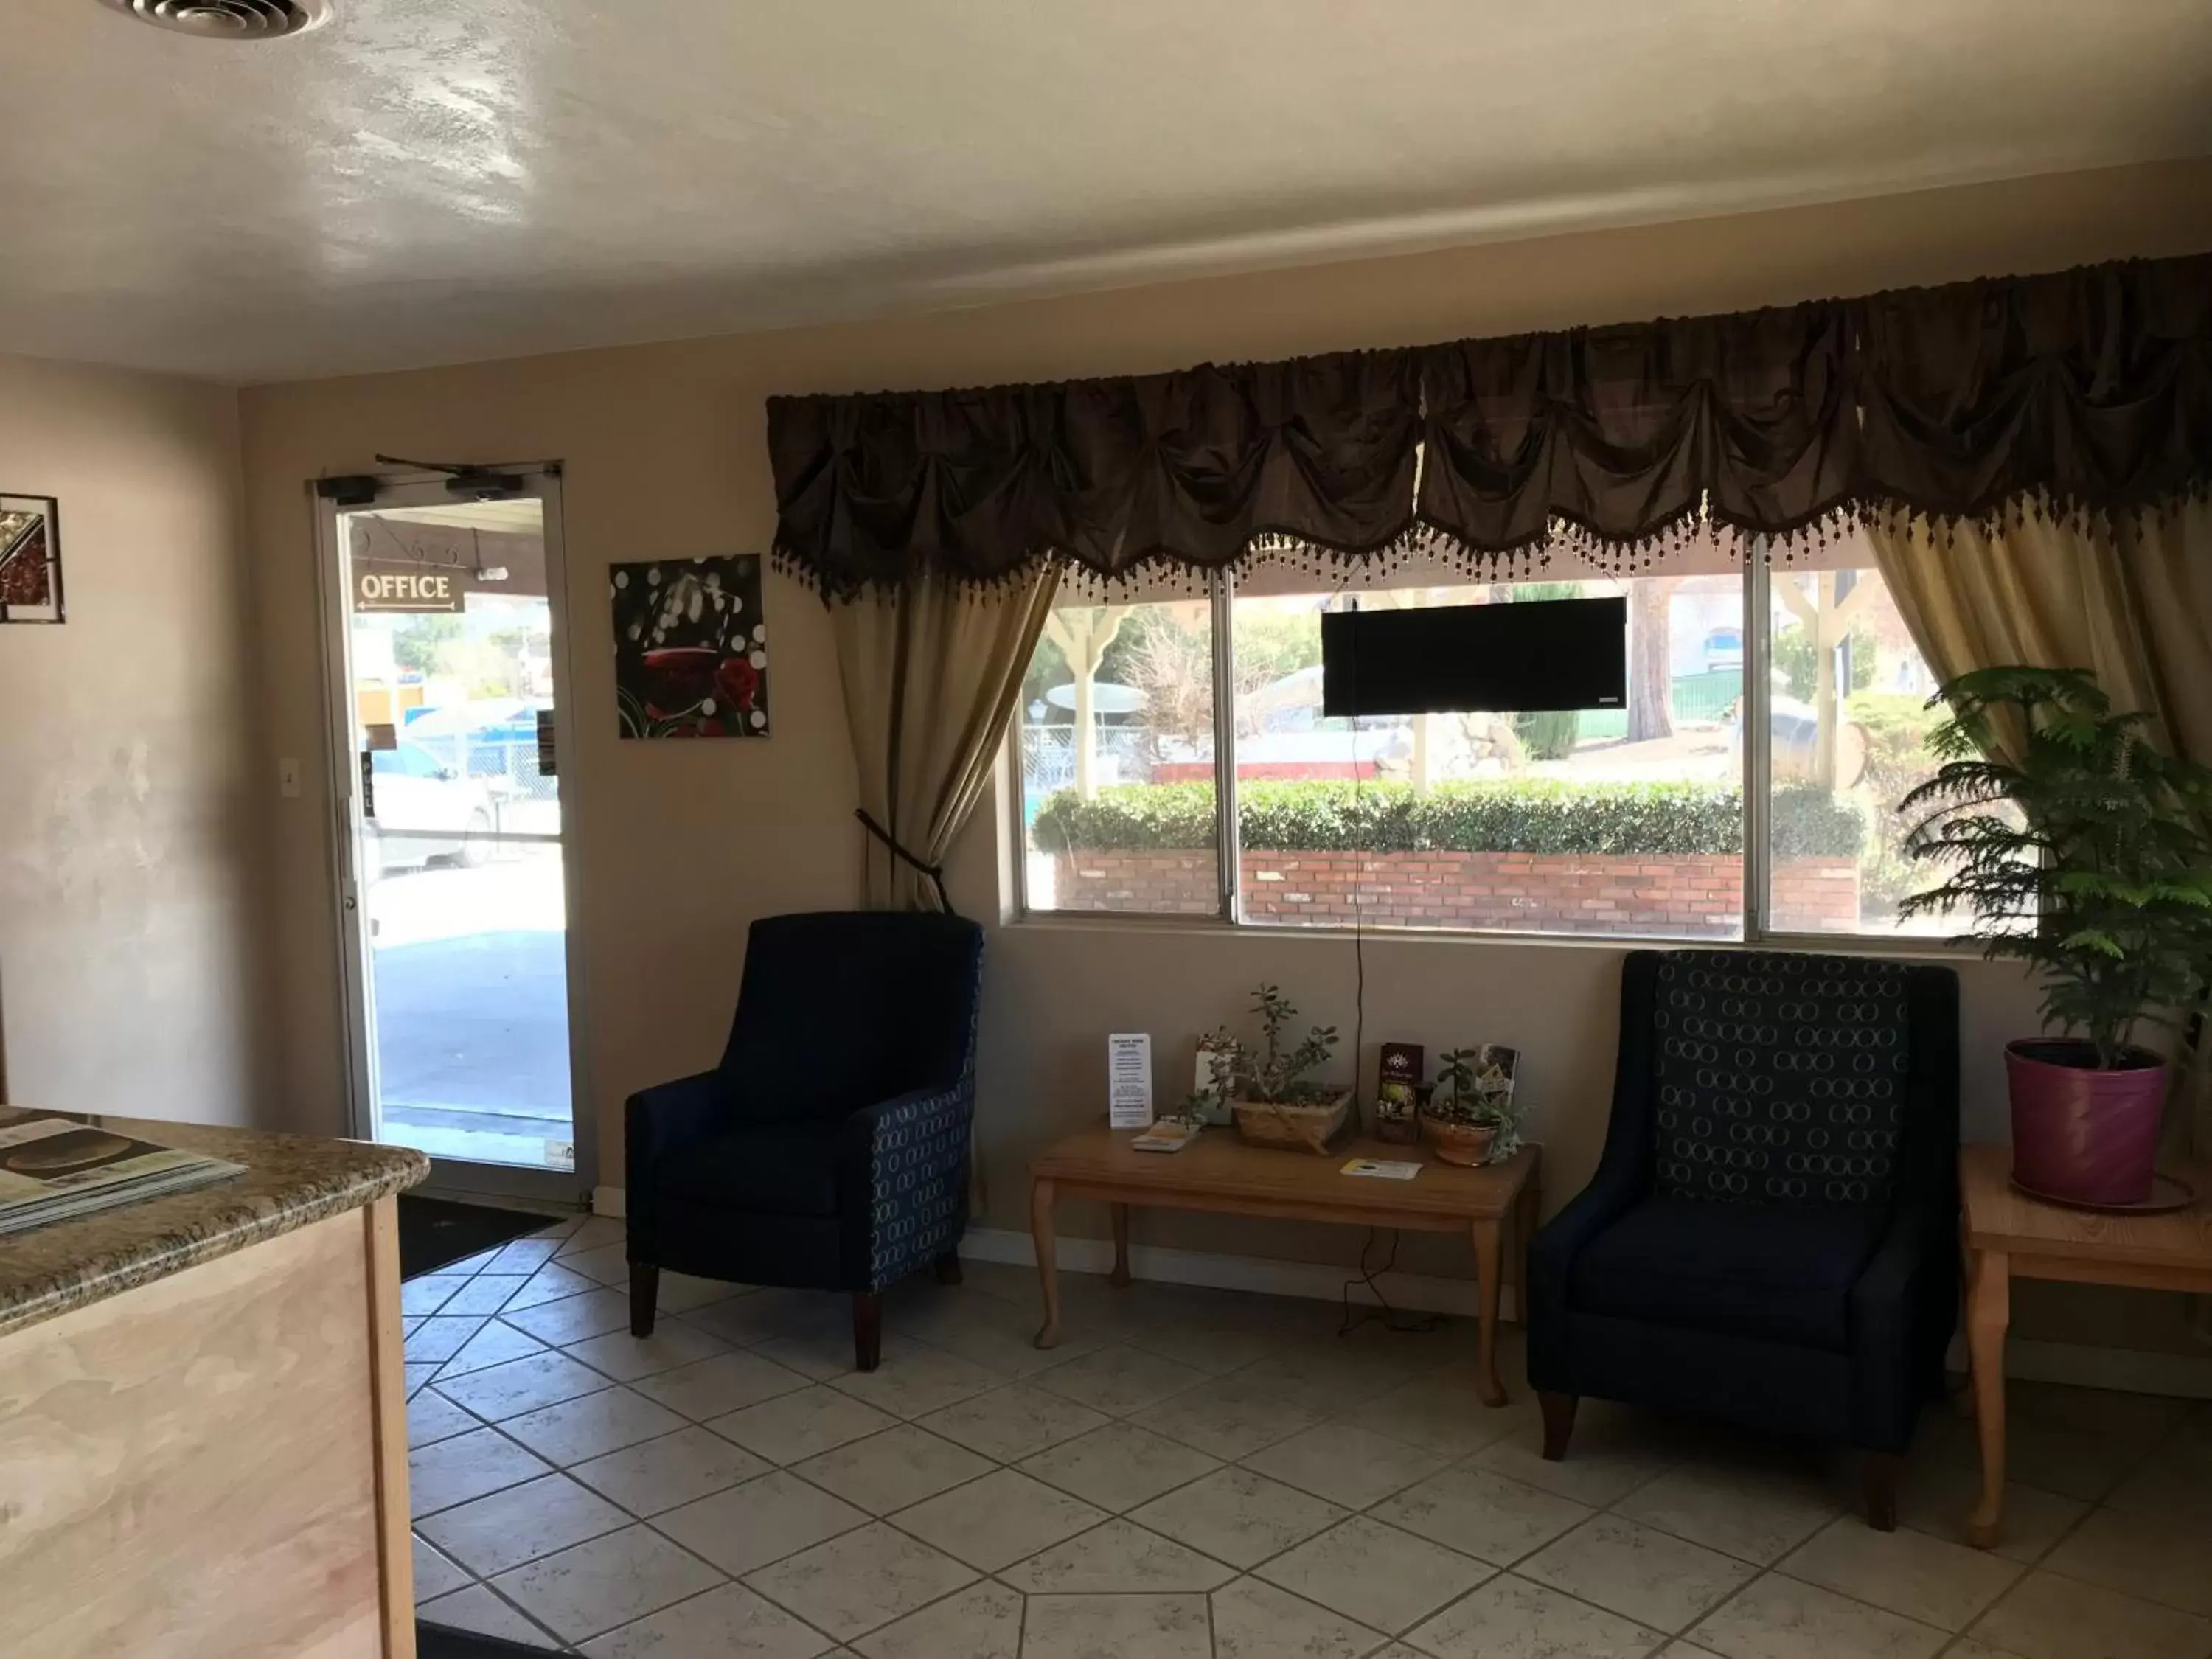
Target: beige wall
678,846
129,957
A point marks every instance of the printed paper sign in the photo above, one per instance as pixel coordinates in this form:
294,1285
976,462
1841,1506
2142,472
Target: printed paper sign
1129,1079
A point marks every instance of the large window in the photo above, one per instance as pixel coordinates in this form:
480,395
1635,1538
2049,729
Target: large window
1847,735
1632,822
1117,752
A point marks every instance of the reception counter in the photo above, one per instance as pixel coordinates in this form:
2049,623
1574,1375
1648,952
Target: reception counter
202,1414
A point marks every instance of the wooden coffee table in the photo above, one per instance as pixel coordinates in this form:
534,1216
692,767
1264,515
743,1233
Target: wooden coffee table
2010,1235
1219,1172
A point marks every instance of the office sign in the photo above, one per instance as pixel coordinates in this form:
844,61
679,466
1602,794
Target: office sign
412,588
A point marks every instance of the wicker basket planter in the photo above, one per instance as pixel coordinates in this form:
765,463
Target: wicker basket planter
1298,1128
1468,1144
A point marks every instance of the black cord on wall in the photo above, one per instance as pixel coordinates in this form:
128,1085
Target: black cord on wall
1393,1319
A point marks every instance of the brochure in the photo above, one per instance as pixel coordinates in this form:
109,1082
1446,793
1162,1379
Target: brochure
54,1169
1167,1135
1382,1168
1398,1074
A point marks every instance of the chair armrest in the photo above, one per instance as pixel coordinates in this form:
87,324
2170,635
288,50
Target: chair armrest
1906,1245
902,1180
1612,1192
662,1121
1616,1188
1624,1167
1904,1308
920,1129
1622,1180
1624,1170
1922,1225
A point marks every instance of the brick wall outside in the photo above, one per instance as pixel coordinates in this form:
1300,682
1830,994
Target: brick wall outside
1671,895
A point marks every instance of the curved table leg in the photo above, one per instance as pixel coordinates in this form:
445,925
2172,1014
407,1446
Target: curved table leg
1041,1195
1528,1213
1988,1310
1962,1393
1488,1269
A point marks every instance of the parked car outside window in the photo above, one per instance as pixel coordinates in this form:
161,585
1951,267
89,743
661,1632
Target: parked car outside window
427,812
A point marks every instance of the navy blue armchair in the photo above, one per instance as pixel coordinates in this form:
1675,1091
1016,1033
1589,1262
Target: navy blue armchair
1772,1237
828,1151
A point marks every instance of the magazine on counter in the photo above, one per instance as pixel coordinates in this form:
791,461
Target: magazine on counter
54,1169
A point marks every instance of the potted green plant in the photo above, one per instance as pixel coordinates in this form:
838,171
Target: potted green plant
1468,1117
1275,1100
2086,858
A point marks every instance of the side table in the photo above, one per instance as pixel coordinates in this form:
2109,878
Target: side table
2007,1236
1493,1208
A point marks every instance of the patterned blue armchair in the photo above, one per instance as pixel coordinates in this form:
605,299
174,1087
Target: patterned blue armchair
1772,1236
828,1151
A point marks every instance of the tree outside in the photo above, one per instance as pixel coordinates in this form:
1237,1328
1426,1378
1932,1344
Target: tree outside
416,641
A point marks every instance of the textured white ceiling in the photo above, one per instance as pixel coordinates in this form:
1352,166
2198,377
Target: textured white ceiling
431,180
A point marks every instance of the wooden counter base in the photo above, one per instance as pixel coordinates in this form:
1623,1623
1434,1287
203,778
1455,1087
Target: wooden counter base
213,1466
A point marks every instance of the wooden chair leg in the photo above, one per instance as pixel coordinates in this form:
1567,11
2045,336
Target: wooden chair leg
644,1294
1559,1422
867,1330
1878,1472
948,1267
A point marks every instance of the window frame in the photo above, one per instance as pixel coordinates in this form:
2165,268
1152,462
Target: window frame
1758,785
1758,726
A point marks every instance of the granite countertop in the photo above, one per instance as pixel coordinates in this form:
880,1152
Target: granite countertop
290,1181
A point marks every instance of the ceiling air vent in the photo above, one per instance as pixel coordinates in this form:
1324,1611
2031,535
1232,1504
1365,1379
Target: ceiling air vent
228,20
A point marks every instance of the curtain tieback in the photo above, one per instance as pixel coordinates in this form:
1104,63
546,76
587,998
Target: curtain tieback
934,872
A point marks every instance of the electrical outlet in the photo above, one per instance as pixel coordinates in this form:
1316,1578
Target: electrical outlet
287,779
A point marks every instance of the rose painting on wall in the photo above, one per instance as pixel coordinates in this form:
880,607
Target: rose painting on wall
690,647
30,560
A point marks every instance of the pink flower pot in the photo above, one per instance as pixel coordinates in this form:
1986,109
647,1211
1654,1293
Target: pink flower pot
2080,1134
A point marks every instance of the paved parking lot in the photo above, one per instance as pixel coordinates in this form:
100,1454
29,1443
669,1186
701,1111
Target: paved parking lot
471,1010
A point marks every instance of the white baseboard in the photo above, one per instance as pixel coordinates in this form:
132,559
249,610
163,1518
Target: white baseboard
2130,1370
2126,1369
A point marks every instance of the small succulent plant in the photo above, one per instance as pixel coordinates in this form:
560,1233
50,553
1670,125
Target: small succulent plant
1271,1073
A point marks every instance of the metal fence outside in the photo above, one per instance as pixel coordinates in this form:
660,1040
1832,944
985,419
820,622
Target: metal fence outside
1121,754
1695,697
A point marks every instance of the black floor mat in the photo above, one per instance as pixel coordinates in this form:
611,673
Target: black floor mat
436,1231
437,1641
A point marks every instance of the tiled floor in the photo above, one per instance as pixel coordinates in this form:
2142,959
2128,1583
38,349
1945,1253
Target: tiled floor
1201,1474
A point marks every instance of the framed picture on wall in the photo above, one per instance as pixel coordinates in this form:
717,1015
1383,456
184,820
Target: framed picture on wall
690,647
30,559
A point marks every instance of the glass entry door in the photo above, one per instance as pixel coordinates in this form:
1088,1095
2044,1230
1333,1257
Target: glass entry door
446,630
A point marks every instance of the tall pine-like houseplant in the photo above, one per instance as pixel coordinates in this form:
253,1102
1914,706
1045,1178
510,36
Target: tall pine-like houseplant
2076,845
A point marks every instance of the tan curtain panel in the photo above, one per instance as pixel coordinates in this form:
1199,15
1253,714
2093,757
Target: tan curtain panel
931,672
2130,600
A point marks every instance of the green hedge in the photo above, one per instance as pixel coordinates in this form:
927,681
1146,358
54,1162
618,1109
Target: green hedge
1536,816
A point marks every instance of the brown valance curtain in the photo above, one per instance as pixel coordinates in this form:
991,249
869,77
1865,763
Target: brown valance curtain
1621,434
2090,390
1190,468
2085,393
